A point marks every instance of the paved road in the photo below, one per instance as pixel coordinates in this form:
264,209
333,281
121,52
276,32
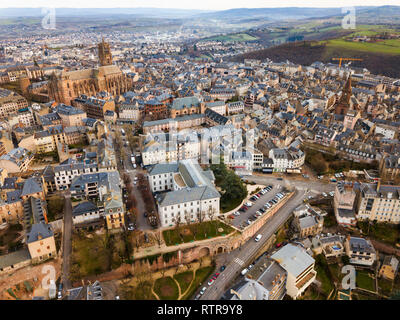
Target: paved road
246,253
67,241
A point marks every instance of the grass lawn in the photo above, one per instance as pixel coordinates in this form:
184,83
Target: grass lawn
89,255
166,289
227,206
385,286
363,280
326,282
184,279
381,231
198,231
201,275
142,292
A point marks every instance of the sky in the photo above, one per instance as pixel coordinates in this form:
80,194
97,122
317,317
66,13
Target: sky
190,4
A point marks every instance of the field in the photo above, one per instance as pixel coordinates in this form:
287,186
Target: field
324,43
233,37
391,46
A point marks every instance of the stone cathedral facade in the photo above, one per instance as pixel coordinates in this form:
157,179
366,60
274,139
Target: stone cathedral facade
69,85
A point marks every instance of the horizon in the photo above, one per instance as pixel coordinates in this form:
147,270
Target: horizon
206,5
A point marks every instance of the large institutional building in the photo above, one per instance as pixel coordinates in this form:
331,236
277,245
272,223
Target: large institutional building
69,85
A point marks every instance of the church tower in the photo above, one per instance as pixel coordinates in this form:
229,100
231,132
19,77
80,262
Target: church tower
105,56
343,105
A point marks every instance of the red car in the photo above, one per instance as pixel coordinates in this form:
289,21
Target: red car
231,216
278,245
217,274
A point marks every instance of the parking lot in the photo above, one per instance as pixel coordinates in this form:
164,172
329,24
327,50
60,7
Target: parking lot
240,221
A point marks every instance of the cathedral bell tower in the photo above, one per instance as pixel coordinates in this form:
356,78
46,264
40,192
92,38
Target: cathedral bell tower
105,56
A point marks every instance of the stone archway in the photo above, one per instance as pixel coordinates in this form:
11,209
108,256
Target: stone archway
220,250
203,252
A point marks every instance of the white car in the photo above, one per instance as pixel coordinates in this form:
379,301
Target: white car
237,213
203,290
324,194
244,271
258,238
332,193
248,204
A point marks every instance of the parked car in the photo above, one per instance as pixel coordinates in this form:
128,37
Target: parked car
217,274
210,282
280,179
248,204
258,238
197,297
203,290
222,268
244,271
324,194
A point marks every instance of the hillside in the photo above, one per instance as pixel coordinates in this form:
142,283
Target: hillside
306,53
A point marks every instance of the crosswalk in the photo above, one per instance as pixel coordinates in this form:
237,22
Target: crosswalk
239,261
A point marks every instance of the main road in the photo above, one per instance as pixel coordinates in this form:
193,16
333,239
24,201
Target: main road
247,252
67,241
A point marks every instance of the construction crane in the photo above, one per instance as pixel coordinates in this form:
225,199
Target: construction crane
345,59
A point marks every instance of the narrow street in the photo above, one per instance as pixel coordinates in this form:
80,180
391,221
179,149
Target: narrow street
67,242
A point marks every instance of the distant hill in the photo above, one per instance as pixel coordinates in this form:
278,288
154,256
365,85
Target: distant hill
74,12
307,52
272,13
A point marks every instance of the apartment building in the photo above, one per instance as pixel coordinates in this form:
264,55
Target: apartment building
129,111
70,116
234,107
360,251
40,236
217,106
344,203
179,123
170,147
379,203
67,171
287,158
94,107
47,140
11,102
191,195
299,266
17,160
265,281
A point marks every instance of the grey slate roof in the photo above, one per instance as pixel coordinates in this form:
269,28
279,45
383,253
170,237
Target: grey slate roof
83,207
39,229
31,186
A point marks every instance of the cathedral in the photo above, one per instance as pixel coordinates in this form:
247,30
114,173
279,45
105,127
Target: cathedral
69,85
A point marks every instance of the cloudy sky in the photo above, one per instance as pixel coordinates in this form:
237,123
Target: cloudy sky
190,4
